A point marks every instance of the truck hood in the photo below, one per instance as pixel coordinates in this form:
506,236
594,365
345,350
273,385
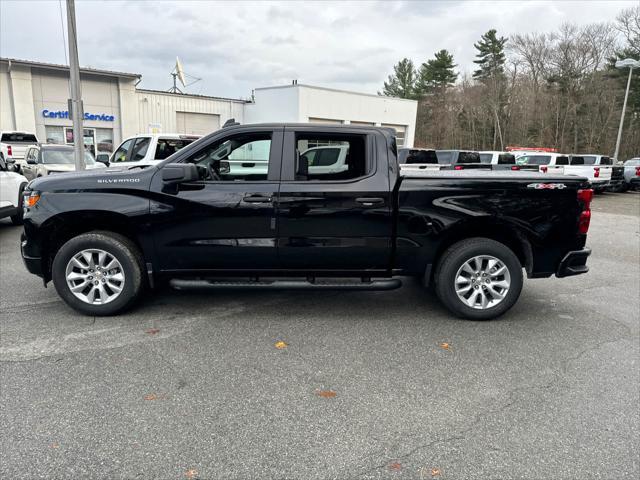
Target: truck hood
68,167
94,179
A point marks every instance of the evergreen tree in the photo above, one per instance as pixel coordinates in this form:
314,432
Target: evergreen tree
402,83
437,74
490,57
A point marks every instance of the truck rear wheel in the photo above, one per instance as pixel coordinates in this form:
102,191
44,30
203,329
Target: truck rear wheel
98,273
479,278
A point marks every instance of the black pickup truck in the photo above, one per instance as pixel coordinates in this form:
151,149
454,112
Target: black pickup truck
246,207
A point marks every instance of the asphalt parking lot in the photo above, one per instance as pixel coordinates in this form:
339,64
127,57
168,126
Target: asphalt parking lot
369,385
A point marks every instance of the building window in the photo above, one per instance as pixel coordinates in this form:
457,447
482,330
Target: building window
401,132
367,124
104,139
54,134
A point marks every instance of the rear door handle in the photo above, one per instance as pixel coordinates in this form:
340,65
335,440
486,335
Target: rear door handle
257,199
370,201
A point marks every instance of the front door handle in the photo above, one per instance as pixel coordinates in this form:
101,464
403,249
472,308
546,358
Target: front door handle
370,201
257,199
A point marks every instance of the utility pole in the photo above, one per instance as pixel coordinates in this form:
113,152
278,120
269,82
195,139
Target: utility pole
631,63
75,103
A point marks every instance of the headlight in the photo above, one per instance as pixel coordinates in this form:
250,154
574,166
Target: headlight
31,198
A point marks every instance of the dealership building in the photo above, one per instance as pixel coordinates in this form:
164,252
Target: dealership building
33,98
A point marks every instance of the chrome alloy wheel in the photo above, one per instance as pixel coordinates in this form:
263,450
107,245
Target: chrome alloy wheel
94,276
482,282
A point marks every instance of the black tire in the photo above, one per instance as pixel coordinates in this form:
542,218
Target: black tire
459,253
123,249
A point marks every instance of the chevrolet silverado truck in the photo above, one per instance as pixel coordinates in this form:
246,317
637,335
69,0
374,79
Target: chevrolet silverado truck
103,237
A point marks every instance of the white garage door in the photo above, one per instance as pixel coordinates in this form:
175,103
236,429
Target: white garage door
197,123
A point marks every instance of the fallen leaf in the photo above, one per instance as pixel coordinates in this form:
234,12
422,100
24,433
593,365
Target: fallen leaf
150,396
280,345
152,331
191,473
55,445
395,467
326,393
435,472
445,346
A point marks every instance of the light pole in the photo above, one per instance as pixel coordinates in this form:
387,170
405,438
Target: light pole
76,94
631,63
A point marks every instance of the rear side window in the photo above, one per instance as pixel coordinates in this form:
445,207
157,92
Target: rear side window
562,160
341,157
506,159
168,146
19,137
578,161
140,149
606,161
589,159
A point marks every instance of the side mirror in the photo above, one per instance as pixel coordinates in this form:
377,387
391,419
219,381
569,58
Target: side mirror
180,173
103,159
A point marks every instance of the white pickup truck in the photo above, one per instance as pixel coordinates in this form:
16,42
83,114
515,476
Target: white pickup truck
13,145
149,149
597,168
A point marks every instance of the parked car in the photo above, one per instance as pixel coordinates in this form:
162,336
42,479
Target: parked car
499,160
457,157
617,183
102,236
12,185
48,159
149,149
13,146
632,173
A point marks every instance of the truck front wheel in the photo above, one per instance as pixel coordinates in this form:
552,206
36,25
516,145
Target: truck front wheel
479,278
98,273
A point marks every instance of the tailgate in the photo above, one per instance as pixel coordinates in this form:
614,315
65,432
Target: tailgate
19,149
420,167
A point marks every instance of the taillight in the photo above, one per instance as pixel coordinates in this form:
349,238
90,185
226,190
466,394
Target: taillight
585,196
596,172
544,169
458,167
637,171
515,168
9,151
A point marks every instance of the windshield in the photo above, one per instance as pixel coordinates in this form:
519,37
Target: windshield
534,160
19,137
50,156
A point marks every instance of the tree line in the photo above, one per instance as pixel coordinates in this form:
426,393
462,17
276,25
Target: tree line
555,89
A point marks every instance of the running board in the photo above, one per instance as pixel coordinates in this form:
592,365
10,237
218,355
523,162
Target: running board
386,284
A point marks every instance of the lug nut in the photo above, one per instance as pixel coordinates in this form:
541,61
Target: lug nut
96,282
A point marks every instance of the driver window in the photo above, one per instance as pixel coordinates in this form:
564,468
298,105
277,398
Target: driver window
121,153
238,158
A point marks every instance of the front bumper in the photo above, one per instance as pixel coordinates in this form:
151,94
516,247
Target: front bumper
32,262
574,263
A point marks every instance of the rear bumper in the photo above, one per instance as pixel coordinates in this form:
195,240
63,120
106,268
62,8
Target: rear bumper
574,263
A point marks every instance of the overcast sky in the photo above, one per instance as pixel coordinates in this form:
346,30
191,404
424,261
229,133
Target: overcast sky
235,47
